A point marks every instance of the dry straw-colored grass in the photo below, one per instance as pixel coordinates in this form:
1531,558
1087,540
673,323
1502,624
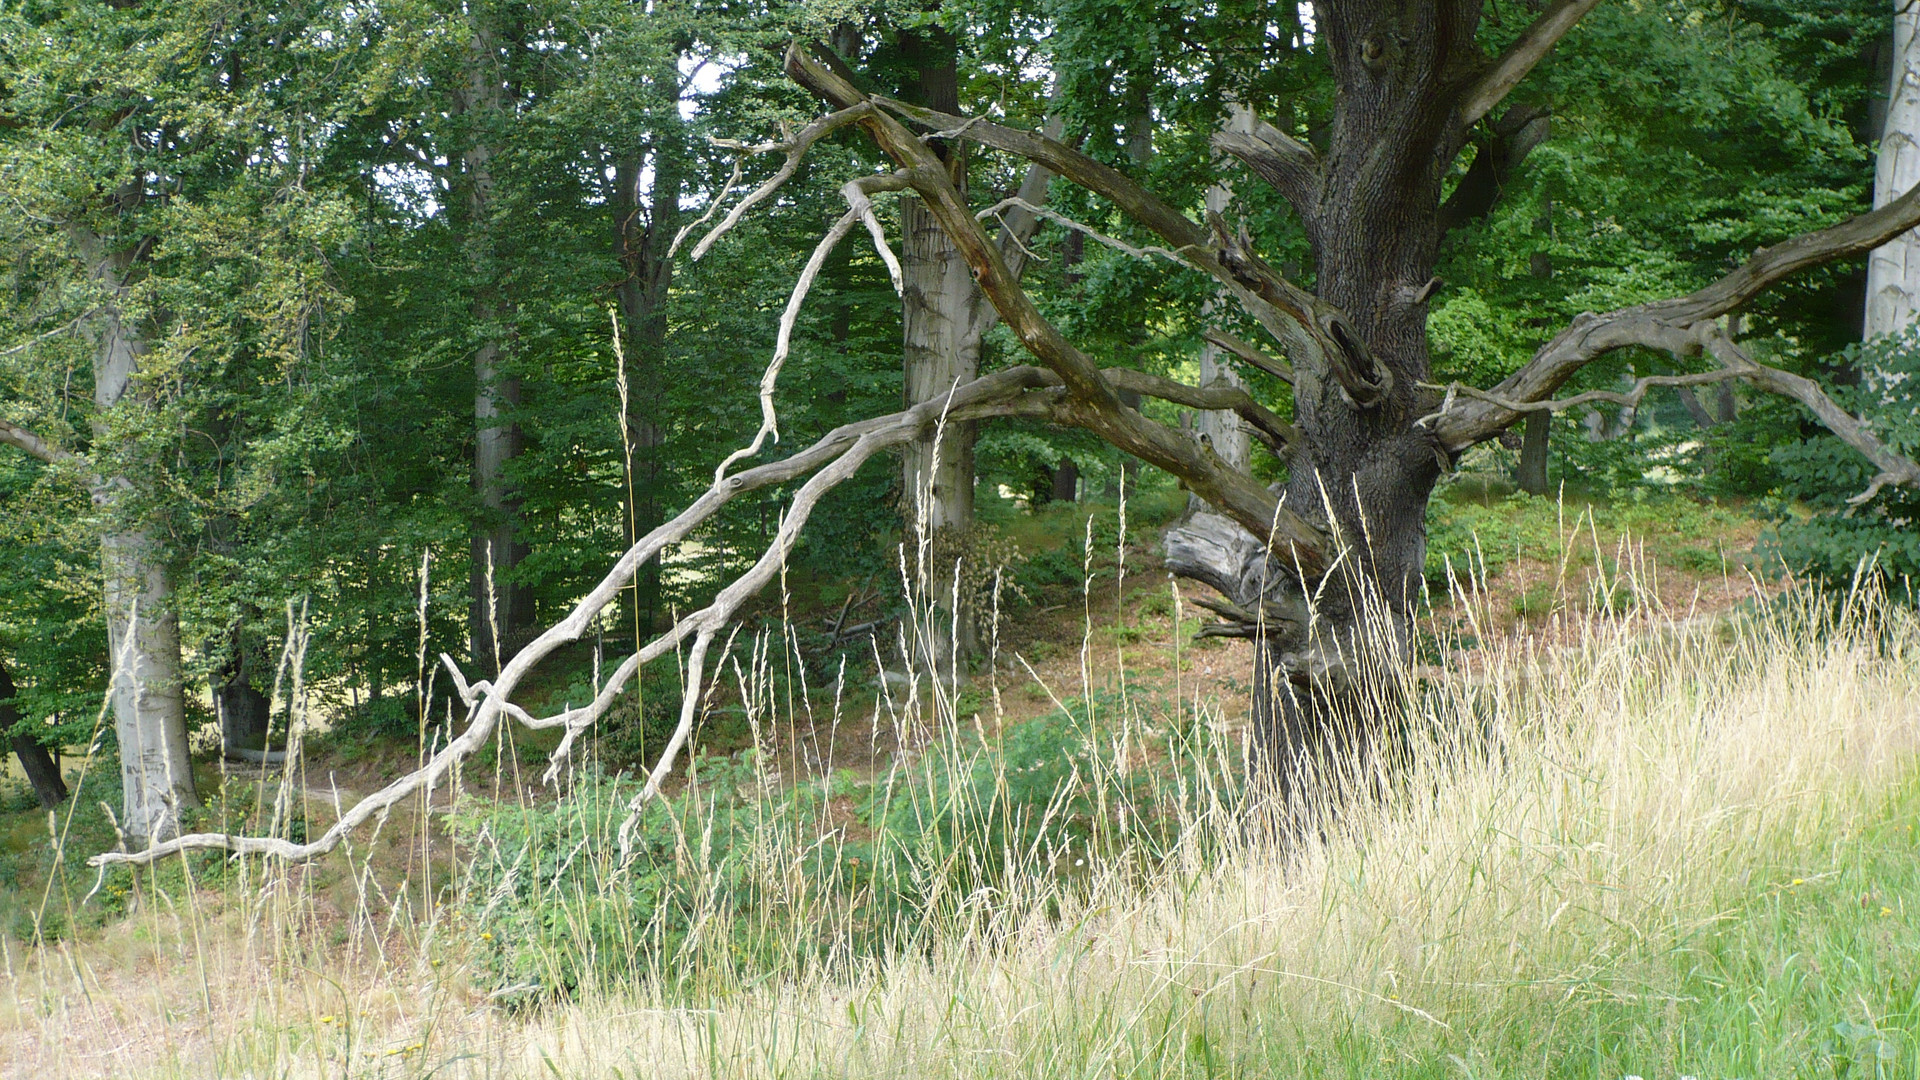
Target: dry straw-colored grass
1568,835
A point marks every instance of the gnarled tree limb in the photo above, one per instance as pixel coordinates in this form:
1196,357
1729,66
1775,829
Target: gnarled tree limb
1679,325
1631,399
1895,468
1250,354
1091,401
1295,318
12,434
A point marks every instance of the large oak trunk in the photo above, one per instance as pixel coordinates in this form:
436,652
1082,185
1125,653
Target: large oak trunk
1327,666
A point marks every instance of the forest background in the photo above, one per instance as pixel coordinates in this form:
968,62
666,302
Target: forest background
373,260
337,336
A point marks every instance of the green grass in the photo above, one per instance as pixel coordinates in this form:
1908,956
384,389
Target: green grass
1485,535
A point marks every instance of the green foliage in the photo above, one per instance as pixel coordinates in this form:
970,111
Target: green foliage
1816,526
1479,538
741,872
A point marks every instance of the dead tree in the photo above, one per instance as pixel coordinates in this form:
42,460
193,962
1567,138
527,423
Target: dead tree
1322,572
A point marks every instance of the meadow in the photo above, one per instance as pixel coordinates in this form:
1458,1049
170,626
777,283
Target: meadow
1603,840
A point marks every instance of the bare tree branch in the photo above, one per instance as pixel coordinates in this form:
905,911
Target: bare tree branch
1497,81
63,328
1020,224
1279,436
1091,402
783,342
1037,212
1895,468
713,207
1299,321
795,148
1679,325
1630,399
1023,391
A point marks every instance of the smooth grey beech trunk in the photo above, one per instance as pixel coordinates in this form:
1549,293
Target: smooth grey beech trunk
944,318
1893,271
143,630
941,350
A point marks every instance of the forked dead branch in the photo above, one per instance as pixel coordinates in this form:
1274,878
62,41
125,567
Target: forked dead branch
1322,571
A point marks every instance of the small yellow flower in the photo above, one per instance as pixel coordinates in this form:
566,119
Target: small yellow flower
326,1019
1799,881
485,936
1885,911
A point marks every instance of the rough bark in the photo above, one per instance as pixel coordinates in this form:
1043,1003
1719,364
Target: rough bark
1531,476
42,772
1893,271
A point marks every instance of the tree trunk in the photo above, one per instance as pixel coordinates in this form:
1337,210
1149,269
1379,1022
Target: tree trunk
940,352
941,332
1220,429
1532,474
1329,658
499,606
1893,271
245,711
143,631
41,770
647,222
1066,481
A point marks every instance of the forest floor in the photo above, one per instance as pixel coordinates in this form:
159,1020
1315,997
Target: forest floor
1510,577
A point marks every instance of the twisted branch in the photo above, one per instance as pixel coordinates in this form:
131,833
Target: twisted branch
1018,392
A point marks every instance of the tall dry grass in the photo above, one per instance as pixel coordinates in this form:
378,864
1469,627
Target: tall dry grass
1670,848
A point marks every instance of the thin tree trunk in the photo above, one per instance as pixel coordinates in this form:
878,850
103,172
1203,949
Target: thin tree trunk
499,607
1532,474
41,770
1219,429
245,711
1893,271
1697,412
1066,481
1537,435
643,231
